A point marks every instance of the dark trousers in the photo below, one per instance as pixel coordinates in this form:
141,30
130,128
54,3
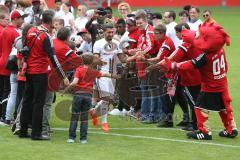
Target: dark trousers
80,106
4,93
192,93
181,99
169,104
33,102
20,92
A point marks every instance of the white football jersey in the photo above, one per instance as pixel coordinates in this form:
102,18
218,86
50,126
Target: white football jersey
108,52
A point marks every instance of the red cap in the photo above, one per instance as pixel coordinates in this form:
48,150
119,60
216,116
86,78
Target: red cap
17,14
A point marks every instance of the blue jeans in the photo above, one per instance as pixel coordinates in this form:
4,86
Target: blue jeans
12,98
151,106
80,106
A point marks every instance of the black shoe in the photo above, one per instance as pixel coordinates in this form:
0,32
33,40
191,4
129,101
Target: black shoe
225,133
40,138
147,121
199,135
23,135
165,124
13,127
183,124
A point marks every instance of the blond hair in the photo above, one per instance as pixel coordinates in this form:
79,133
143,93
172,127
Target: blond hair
124,4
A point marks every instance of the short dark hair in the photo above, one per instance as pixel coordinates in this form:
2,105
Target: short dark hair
60,21
181,26
47,16
183,12
197,9
172,14
107,26
58,1
63,33
160,28
187,7
109,9
121,21
141,14
67,4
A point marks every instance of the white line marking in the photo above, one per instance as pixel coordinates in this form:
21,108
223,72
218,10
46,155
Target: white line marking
144,128
158,138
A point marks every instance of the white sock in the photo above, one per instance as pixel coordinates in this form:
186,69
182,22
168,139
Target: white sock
104,111
99,104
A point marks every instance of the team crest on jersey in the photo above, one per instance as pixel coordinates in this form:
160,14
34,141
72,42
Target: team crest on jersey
109,47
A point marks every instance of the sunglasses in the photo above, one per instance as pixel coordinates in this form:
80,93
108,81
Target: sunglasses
157,32
206,15
123,9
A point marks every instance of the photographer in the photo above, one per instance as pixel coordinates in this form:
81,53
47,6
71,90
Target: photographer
95,24
41,50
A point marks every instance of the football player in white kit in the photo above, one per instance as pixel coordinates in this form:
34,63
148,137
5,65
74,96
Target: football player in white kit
108,50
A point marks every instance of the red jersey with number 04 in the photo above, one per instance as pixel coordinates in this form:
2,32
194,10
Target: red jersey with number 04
214,72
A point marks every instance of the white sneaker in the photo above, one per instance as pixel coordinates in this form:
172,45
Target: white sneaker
83,141
125,112
115,112
70,141
4,124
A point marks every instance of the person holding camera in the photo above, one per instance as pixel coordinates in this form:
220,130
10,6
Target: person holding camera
95,24
41,50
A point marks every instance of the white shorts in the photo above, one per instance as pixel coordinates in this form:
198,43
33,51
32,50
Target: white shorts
106,87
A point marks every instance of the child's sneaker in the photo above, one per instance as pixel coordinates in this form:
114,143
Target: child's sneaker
94,117
83,141
105,127
70,140
225,133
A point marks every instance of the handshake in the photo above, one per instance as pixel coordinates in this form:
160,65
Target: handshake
165,65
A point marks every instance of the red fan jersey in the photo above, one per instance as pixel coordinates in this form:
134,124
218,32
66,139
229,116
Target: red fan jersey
7,38
186,51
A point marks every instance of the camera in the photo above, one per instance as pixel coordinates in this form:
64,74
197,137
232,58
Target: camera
24,51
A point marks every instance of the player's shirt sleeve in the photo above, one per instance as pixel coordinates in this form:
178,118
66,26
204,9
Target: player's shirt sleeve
164,51
48,47
149,41
199,61
119,50
180,52
96,48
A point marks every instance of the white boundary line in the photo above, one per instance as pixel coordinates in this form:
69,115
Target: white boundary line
144,128
158,138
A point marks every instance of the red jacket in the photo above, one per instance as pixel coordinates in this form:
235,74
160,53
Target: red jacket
1,29
133,37
165,48
7,38
146,40
146,44
62,51
41,50
184,52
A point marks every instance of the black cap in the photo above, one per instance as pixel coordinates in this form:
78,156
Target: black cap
157,15
101,11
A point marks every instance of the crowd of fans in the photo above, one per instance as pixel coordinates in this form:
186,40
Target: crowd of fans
42,40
